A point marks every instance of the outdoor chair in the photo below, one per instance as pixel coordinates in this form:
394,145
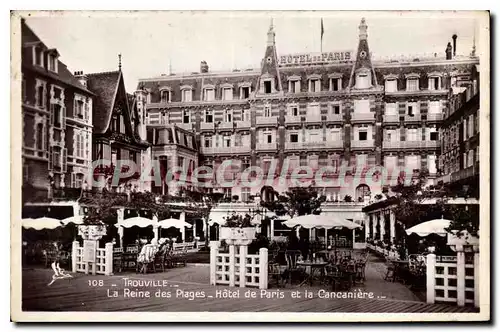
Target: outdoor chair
179,258
335,278
274,272
117,259
292,256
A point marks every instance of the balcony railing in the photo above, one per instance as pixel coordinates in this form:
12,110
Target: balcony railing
434,117
363,116
226,125
290,119
207,126
391,118
410,144
363,144
225,149
267,120
313,118
334,117
267,146
243,124
313,145
414,118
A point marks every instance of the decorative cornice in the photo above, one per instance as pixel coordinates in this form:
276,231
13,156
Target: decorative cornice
412,75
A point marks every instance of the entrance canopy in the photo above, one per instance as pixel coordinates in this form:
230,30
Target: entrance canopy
136,221
435,226
320,221
171,222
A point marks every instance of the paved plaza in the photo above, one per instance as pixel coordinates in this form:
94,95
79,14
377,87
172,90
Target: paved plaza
188,289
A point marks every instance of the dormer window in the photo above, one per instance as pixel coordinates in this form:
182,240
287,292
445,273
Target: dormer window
227,92
186,93
209,93
294,84
52,63
412,83
363,79
434,81
244,92
38,56
267,86
391,83
165,95
314,83
335,81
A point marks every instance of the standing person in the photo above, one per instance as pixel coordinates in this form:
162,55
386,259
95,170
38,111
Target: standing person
58,272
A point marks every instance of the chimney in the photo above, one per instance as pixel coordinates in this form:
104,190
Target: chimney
448,51
81,78
203,67
454,45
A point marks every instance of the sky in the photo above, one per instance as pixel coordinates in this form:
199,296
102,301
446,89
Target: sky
153,42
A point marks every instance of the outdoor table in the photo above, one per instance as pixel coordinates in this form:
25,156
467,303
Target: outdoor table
313,266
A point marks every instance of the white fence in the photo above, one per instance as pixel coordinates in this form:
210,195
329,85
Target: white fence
102,264
237,268
453,279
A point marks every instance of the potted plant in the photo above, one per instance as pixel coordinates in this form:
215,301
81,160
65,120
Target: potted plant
347,199
238,230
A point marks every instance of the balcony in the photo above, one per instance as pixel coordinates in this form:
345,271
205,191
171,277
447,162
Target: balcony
410,144
334,118
243,124
434,116
362,117
414,118
314,145
226,125
267,120
313,118
290,119
362,144
391,118
225,150
267,146
207,126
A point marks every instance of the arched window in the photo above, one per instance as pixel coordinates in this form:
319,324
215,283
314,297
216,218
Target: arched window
39,136
361,191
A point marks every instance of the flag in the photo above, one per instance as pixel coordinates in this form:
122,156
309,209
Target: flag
322,33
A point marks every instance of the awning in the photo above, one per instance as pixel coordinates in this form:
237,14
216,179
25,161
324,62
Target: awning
436,226
171,222
77,220
41,223
136,221
320,221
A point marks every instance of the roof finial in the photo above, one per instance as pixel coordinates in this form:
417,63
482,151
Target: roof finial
270,34
473,53
363,28
120,62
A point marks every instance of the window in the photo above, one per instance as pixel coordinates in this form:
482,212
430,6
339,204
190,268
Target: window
336,134
52,63
431,164
40,94
227,141
412,163
391,85
335,84
228,115
411,134
38,57
294,110
391,162
434,83
185,116
314,85
245,164
269,138
209,117
79,108
80,145
209,94
56,115
412,109
315,137
40,137
313,109
412,84
434,136
335,109
208,141
228,192
245,92
294,86
267,86
165,96
56,159
187,95
294,138
363,80
114,156
245,114
245,194
391,109
363,135
434,107
227,94
267,110
362,106
57,93
471,125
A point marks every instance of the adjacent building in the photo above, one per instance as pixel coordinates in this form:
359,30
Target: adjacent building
57,112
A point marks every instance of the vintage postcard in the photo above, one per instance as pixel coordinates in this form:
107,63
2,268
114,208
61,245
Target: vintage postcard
269,166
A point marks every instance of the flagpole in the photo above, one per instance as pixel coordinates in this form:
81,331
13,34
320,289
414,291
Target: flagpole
322,32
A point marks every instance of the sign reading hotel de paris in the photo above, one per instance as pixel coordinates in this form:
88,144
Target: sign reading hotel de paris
315,58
